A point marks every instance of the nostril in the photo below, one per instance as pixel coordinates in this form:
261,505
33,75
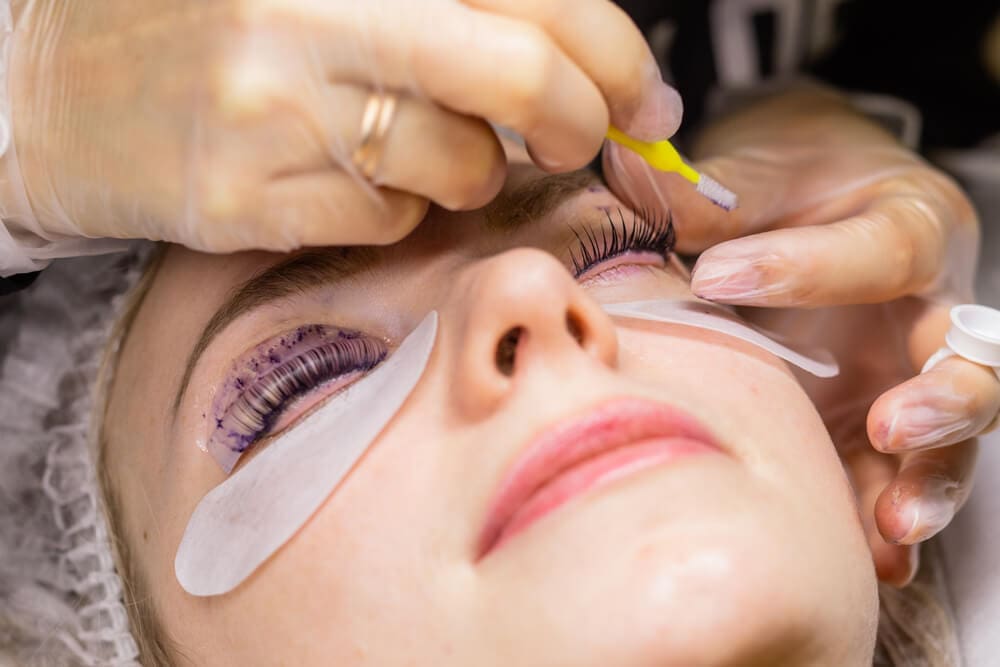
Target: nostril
575,327
507,350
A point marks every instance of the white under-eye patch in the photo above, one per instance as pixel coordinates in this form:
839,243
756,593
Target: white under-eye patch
713,317
242,522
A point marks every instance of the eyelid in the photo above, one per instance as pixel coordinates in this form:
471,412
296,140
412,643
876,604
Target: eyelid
621,267
647,233
277,373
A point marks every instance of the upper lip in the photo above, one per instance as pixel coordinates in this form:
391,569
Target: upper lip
570,441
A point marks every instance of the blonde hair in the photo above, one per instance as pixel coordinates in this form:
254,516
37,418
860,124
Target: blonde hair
60,589
155,648
916,624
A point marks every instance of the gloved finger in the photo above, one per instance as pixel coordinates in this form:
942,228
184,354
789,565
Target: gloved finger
426,151
317,209
891,249
951,402
762,188
930,487
870,472
452,159
474,62
640,103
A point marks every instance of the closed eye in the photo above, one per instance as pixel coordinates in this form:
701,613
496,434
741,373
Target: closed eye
273,389
650,235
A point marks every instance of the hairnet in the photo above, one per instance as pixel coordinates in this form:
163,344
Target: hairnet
60,595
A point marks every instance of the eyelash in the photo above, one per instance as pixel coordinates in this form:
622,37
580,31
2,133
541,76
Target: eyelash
650,233
254,413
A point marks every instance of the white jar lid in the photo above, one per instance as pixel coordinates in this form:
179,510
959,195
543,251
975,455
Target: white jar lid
975,333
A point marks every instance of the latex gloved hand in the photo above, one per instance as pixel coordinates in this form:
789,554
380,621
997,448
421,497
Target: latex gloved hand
834,212
233,124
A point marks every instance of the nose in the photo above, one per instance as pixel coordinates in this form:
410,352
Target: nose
523,311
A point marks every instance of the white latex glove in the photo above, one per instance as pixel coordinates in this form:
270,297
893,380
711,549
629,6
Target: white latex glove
231,124
856,244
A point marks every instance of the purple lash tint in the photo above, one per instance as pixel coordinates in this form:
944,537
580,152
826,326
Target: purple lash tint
264,381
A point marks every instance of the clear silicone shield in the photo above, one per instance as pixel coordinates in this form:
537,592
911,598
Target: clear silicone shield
242,522
710,316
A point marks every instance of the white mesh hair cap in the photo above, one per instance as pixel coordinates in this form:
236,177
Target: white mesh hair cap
60,595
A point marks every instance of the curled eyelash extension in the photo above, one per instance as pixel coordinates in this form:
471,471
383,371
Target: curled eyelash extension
648,232
256,409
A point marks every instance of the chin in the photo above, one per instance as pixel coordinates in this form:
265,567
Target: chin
720,601
639,577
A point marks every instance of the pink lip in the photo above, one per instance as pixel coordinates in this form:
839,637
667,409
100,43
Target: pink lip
583,452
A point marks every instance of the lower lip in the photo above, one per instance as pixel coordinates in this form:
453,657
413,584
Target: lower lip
598,472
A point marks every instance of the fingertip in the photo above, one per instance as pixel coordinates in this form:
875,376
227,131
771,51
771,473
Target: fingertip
479,186
491,185
896,565
886,422
879,425
563,117
913,509
657,116
674,109
330,209
896,515
552,163
557,146
519,78
400,213
940,407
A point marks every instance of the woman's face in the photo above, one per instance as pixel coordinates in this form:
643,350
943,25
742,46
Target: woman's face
655,553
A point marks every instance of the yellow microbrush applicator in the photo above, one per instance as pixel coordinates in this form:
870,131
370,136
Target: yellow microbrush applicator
663,156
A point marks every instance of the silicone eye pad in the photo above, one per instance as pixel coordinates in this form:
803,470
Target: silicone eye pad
243,521
704,315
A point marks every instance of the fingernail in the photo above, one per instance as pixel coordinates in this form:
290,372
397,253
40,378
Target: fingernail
937,420
659,113
926,516
546,162
723,278
735,279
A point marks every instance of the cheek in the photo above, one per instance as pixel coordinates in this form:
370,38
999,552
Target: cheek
755,406
362,569
804,530
733,385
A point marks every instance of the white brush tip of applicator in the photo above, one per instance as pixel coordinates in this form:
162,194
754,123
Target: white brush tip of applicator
716,192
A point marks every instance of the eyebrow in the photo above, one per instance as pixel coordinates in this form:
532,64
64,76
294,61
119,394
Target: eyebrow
535,199
293,276
526,203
